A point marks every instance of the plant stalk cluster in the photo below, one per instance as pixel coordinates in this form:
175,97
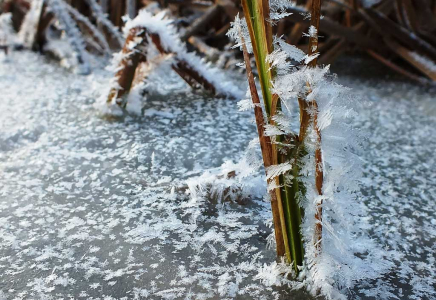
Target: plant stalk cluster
286,189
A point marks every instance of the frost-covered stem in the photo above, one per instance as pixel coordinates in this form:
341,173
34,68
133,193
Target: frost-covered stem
104,6
319,174
95,33
266,149
259,34
73,33
182,67
256,15
104,21
29,29
132,56
46,19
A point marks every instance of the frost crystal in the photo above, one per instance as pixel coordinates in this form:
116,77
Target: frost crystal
238,28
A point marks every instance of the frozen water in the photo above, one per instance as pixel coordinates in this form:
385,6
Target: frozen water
95,208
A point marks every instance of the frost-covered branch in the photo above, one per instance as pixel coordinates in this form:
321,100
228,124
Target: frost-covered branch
105,22
73,34
95,33
188,65
133,52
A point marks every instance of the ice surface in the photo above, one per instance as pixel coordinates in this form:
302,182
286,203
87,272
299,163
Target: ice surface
95,208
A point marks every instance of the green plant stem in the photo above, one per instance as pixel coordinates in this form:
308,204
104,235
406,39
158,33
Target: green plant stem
261,39
266,148
256,13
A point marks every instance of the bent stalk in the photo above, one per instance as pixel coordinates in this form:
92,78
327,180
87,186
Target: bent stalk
127,66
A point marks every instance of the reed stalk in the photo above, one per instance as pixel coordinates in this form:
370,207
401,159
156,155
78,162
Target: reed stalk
284,198
266,148
319,174
127,66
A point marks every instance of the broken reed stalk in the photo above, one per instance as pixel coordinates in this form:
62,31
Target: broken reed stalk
284,198
19,9
127,66
399,69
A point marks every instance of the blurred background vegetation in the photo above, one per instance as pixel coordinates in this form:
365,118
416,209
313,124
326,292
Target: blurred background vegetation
400,34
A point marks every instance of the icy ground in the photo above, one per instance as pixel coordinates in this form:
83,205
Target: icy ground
94,208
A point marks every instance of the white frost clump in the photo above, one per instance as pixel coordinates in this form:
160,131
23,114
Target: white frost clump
278,9
232,181
275,274
277,170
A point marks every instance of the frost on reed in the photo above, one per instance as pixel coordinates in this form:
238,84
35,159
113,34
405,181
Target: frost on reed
7,35
28,30
343,255
103,20
231,181
150,36
74,36
170,41
98,40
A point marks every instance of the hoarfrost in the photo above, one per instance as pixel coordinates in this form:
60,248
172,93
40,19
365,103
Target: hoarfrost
238,28
349,256
162,25
74,36
276,170
78,203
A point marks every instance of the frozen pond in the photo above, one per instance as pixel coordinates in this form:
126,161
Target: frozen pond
93,208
